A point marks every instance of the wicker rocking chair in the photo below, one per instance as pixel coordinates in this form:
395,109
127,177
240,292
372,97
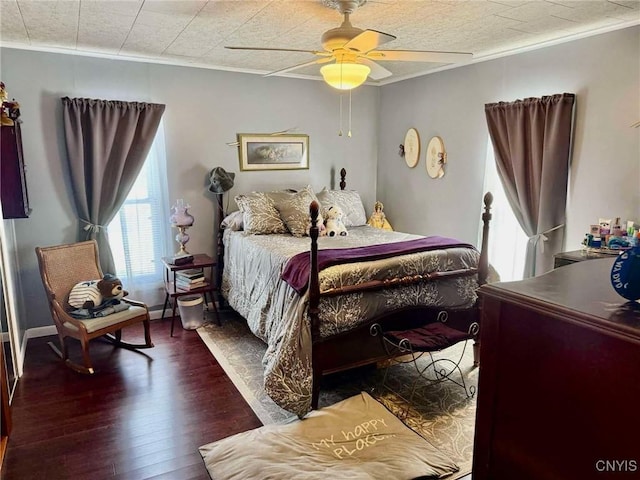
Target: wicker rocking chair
62,267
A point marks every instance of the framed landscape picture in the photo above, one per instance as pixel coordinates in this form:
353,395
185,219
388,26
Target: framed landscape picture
273,152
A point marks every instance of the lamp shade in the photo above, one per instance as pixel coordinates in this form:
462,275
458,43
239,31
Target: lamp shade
180,214
345,76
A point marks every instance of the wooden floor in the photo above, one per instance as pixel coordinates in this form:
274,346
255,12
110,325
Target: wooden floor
140,416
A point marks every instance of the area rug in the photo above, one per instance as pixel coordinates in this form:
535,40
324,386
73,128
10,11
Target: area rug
440,413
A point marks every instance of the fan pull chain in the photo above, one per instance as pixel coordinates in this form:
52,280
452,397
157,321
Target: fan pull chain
340,131
349,134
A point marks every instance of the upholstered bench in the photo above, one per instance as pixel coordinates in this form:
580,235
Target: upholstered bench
411,345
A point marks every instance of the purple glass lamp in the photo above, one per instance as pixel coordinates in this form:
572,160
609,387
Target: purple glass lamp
181,219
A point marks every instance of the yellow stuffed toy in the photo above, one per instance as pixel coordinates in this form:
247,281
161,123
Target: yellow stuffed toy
378,219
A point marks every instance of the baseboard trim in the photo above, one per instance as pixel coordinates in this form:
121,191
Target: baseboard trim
40,332
48,330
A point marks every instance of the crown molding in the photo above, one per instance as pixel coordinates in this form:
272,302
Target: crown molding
173,61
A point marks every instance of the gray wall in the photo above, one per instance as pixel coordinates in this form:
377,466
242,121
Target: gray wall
205,110
603,71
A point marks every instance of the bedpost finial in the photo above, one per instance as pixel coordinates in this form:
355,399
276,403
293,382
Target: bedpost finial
314,210
343,175
488,199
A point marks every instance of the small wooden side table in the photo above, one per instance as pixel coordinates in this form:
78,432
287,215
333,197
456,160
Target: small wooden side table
200,260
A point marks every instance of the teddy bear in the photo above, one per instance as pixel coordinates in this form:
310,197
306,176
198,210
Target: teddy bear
92,293
335,225
322,230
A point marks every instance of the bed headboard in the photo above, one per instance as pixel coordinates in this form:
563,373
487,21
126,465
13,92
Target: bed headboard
220,243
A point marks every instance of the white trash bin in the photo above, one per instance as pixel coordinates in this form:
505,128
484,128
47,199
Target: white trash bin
191,311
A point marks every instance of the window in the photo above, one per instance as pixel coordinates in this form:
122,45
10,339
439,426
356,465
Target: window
139,235
507,240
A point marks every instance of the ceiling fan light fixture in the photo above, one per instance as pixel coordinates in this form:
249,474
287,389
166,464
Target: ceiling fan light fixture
343,6
345,76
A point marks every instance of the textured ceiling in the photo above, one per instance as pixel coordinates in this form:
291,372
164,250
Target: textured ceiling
190,32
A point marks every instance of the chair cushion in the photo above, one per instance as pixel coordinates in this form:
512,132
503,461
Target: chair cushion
95,324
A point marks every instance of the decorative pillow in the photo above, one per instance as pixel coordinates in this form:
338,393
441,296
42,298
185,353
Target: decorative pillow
280,196
350,203
259,214
355,438
294,210
233,221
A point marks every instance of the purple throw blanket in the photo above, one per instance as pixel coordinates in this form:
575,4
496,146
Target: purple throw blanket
296,271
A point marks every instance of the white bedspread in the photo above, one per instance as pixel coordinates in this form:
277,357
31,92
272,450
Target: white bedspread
277,314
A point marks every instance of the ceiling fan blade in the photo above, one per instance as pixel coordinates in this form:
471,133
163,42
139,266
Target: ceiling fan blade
378,72
367,41
315,52
300,65
419,56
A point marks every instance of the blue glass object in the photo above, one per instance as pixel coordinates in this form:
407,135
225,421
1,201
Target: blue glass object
625,274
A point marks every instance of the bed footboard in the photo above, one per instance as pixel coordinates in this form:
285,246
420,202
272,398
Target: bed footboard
358,347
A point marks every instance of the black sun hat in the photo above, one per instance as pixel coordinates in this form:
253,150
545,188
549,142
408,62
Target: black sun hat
220,180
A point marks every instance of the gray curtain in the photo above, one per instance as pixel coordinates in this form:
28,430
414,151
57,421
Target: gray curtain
107,144
532,143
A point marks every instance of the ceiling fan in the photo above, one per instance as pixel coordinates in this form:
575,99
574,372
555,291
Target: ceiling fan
354,52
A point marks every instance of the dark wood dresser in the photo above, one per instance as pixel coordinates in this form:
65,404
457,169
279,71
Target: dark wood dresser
559,382
567,258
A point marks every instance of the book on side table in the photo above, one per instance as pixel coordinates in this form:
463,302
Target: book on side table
181,259
190,279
